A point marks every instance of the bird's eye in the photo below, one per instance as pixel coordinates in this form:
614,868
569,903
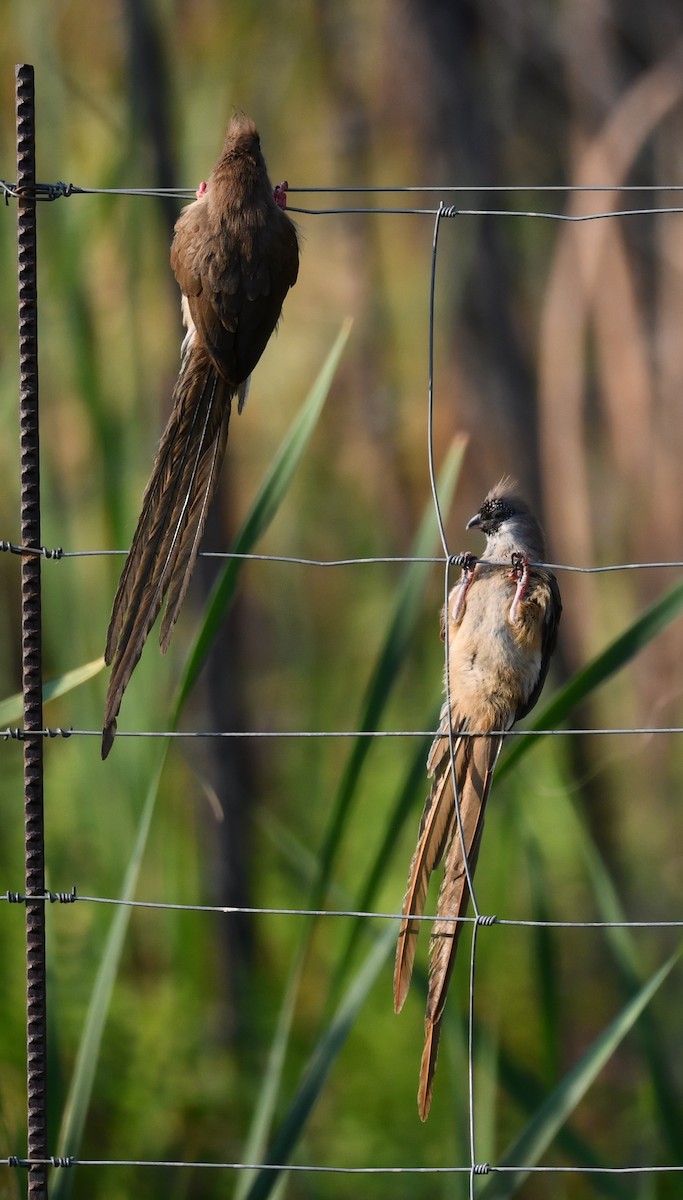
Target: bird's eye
490,509
502,510
494,512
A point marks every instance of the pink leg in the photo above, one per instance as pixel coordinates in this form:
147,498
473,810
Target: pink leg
280,194
468,562
520,572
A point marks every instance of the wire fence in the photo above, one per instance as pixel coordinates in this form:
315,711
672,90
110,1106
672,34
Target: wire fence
73,897
27,192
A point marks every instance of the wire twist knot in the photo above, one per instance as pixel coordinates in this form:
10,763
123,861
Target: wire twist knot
62,897
56,552
39,191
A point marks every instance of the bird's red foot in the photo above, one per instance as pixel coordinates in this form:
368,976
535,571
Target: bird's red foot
467,562
520,573
201,190
280,194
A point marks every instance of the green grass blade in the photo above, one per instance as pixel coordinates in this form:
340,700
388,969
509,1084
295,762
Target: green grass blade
558,1107
265,506
403,809
400,629
320,1064
526,1090
12,708
623,947
544,957
267,1100
305,865
389,663
264,509
618,653
80,1090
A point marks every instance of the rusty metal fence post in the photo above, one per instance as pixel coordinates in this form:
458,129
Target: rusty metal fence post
31,650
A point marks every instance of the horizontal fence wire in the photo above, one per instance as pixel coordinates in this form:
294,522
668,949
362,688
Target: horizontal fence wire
60,190
57,553
17,733
67,1161
487,920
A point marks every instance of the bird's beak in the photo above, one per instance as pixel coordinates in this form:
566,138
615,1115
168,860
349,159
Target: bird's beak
474,522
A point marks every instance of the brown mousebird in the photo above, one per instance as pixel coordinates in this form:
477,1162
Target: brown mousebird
235,256
501,624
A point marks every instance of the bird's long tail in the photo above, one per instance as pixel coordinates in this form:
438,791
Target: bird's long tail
475,765
475,759
435,832
174,510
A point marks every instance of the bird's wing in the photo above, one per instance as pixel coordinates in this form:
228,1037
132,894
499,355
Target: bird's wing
234,291
265,277
543,605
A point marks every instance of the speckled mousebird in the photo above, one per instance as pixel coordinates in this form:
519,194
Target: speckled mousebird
235,256
501,631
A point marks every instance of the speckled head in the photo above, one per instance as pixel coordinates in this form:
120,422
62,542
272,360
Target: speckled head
504,511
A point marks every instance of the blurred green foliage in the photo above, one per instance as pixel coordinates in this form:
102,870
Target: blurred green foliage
558,358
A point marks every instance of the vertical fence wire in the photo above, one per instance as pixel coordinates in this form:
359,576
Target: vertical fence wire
469,869
34,845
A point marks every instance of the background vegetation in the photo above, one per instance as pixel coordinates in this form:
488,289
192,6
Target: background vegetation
559,360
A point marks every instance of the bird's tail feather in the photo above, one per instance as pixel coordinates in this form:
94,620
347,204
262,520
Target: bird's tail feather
427,1067
436,827
474,783
182,558
174,510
